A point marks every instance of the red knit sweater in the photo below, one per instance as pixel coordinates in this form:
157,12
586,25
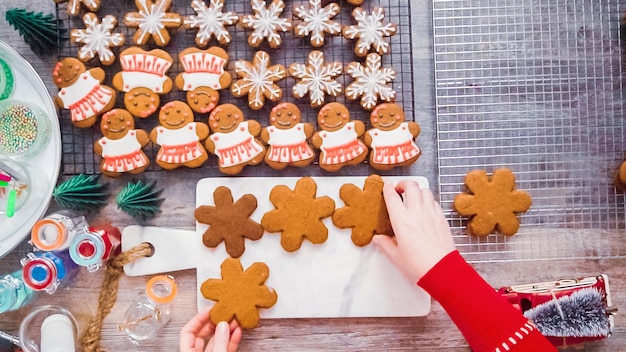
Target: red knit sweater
488,322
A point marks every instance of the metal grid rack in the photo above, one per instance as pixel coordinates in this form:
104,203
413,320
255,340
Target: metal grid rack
78,156
536,86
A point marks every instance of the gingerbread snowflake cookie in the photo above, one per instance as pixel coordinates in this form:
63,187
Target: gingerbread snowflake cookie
365,211
492,202
239,294
258,80
298,214
316,79
204,75
370,82
266,23
74,6
97,38
81,91
152,21
210,22
316,21
229,221
370,31
287,138
391,138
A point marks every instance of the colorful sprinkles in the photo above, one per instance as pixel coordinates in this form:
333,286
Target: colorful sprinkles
18,129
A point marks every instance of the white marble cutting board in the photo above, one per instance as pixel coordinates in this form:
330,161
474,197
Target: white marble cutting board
333,279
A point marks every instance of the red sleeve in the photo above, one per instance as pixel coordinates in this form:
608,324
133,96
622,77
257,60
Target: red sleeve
487,320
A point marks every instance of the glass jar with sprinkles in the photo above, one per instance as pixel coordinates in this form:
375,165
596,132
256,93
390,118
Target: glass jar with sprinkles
24,128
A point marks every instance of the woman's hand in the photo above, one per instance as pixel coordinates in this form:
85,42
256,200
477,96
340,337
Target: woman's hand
225,337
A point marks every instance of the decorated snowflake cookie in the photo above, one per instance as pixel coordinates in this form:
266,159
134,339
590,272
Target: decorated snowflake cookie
370,31
152,21
258,80
266,23
210,21
317,20
73,6
370,82
97,38
317,78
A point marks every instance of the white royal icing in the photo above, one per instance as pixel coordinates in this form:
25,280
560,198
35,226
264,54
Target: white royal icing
370,30
152,18
85,98
316,79
316,20
393,146
288,145
236,147
126,147
97,38
136,79
258,79
370,82
211,21
266,21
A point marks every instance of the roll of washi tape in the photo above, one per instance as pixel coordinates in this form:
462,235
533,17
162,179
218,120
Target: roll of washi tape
7,81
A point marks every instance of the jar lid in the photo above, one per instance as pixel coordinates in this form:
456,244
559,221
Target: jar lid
87,249
48,234
161,289
39,273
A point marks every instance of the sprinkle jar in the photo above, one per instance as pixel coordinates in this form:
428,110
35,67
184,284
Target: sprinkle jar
24,128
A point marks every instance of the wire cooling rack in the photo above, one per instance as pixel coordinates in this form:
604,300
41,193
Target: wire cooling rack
535,86
78,156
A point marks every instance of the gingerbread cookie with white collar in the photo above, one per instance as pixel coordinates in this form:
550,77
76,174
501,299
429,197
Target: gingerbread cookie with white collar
233,139
179,137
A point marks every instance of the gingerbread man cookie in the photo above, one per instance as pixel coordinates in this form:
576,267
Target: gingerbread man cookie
239,294
142,79
492,202
258,80
370,31
233,139
179,137
152,21
210,21
121,144
265,23
338,138
392,138
365,211
316,21
97,38
203,76
287,138
81,91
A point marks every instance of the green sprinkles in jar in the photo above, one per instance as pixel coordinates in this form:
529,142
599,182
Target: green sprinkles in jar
18,129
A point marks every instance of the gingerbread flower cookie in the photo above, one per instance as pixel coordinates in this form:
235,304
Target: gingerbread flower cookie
316,79
74,6
142,79
210,21
121,146
370,82
265,23
392,138
239,294
258,80
370,31
203,76
97,38
81,91
179,137
365,211
492,202
338,138
152,21
287,138
317,20
233,139
229,221
298,214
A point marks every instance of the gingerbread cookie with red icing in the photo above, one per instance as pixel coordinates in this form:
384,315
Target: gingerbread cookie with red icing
179,137
233,139
81,91
338,138
121,146
392,138
142,79
287,138
204,75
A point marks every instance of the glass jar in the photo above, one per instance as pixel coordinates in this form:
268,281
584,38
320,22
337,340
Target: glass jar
24,128
45,271
92,247
14,293
15,186
146,316
56,231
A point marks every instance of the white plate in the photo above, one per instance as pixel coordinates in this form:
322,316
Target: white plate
43,167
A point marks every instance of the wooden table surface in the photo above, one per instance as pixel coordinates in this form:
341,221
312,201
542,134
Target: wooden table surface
434,332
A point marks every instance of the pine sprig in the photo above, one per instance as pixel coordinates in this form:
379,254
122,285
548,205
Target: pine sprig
40,31
139,199
81,192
